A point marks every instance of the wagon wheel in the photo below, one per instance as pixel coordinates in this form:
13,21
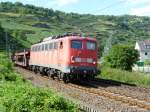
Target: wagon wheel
92,77
50,74
60,75
86,78
35,70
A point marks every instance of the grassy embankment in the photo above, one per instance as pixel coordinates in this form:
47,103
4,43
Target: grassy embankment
125,76
19,95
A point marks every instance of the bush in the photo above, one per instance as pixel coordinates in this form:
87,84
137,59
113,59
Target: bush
18,95
122,57
9,76
6,69
5,64
26,98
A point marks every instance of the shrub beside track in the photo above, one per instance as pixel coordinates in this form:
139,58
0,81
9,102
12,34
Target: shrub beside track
18,95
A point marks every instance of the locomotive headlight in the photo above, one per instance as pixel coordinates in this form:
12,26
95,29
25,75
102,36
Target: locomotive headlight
94,61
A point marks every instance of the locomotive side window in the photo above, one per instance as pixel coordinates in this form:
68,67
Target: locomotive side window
76,44
91,45
39,48
46,47
55,45
33,48
50,46
42,47
36,48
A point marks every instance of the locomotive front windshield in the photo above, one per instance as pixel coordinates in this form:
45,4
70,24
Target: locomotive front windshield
91,45
76,44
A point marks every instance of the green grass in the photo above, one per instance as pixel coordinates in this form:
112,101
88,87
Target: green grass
125,76
17,26
19,95
11,14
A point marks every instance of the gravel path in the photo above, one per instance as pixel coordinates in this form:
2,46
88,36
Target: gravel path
99,103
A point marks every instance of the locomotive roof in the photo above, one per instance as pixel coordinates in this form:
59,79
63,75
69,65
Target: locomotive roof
67,37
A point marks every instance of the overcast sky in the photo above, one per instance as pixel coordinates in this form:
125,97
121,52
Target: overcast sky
97,7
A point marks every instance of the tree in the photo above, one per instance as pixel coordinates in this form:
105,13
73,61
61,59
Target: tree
2,38
1,30
18,4
122,57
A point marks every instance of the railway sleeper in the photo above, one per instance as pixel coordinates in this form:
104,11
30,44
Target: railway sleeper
147,107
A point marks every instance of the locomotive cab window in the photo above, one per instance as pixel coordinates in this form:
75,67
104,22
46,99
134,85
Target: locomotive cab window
91,45
76,44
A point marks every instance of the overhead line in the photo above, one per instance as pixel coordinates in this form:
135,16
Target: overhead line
111,5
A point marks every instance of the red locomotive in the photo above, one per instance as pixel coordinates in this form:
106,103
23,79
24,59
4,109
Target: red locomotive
68,57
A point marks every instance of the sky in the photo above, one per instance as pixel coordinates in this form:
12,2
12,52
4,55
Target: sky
96,7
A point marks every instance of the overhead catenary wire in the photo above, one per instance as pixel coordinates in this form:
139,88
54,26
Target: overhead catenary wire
109,41
109,6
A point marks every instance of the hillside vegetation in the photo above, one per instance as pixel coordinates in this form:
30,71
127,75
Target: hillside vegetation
28,24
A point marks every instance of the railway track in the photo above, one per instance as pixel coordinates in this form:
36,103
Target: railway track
116,96
125,90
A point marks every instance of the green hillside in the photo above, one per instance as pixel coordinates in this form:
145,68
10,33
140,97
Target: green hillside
28,24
